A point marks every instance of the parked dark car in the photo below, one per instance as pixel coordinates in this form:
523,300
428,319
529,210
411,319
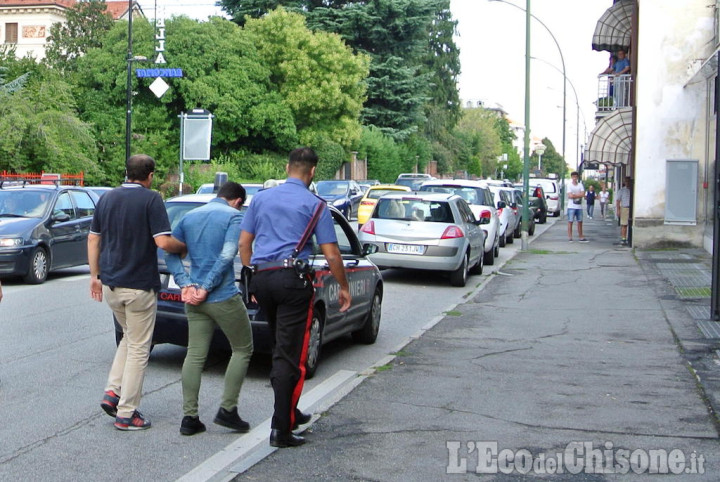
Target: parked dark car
342,195
520,207
43,228
362,320
538,202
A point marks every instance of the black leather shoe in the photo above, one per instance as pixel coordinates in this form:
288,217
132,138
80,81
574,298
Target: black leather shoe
191,425
231,419
301,418
281,440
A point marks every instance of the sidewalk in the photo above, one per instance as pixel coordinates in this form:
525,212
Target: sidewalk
572,342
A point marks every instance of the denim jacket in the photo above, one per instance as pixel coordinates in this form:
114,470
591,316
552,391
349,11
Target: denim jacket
211,233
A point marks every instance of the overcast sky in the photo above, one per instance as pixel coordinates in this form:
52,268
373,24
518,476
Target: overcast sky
491,38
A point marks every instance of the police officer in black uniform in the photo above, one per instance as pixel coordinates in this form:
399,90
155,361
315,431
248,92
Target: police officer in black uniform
276,221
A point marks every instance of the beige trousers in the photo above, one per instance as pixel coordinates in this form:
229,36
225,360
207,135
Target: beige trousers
135,312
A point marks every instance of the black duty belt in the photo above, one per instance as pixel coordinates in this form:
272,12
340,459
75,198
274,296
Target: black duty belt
284,264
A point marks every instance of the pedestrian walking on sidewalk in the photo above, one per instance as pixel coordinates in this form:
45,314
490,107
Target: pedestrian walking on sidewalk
129,224
622,202
279,221
576,193
211,233
604,196
590,199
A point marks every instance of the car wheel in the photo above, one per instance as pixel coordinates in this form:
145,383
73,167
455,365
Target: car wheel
543,218
502,241
511,238
531,229
348,214
314,342
369,331
496,250
556,214
459,276
518,230
38,271
489,257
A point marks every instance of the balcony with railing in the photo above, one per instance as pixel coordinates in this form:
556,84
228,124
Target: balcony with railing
614,92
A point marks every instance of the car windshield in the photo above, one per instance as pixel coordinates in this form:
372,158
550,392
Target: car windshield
414,210
332,188
24,203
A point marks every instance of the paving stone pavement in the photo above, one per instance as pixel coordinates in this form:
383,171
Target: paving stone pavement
580,353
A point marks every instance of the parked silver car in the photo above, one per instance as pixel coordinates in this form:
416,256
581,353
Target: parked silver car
507,212
481,200
431,231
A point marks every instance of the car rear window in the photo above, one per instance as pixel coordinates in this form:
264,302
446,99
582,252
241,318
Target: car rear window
548,186
471,195
414,210
378,193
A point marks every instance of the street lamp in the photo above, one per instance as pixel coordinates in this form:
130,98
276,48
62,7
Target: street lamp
540,150
527,70
128,87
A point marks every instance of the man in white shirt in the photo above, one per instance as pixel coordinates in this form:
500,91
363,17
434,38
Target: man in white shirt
576,193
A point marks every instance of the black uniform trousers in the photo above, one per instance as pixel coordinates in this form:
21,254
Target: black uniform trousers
286,300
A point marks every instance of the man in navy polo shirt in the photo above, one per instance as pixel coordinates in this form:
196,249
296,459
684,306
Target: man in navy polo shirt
276,221
129,224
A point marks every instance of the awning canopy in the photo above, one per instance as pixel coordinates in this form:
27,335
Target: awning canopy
613,30
611,140
707,70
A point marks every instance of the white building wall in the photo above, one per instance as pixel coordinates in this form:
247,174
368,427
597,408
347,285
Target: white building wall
670,118
33,27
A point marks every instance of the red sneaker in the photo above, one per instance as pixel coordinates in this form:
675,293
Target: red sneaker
136,422
109,403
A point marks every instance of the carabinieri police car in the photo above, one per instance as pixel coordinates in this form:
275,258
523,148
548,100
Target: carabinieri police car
361,320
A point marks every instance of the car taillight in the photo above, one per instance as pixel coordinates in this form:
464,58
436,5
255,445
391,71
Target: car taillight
368,228
485,217
452,232
367,203
499,211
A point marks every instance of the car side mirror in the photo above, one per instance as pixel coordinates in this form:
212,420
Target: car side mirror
513,205
501,205
369,249
61,217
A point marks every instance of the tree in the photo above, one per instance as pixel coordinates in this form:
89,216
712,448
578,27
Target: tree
479,128
316,74
552,161
85,25
41,130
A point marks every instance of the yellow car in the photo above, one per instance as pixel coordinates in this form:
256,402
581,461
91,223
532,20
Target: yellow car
370,199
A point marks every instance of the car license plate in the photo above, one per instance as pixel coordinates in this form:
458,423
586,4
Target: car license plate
405,248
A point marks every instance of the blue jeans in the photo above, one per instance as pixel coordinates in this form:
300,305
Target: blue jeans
591,209
574,215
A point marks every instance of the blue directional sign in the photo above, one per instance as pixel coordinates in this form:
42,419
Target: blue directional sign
159,73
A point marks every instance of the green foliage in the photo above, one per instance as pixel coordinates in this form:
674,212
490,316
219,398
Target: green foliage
382,153
41,130
479,129
86,23
316,74
552,161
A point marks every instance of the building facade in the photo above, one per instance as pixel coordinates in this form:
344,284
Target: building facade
25,24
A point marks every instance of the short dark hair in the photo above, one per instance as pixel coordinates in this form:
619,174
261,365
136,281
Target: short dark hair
139,167
574,173
231,191
303,158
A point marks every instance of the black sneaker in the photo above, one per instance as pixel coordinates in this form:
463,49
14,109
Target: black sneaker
231,420
191,425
